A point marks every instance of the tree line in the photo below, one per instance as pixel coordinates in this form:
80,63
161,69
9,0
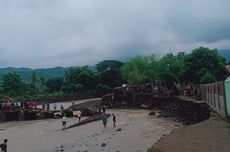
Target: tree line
202,65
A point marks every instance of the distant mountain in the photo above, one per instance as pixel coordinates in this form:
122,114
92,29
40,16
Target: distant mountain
46,73
51,72
225,53
26,73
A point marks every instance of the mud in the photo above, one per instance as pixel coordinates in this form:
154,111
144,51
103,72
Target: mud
138,132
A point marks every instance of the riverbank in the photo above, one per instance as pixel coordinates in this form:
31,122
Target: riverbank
138,132
212,135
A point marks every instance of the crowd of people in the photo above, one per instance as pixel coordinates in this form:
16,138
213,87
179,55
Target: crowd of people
12,105
192,90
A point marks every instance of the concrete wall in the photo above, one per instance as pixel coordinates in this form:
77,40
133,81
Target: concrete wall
227,95
214,95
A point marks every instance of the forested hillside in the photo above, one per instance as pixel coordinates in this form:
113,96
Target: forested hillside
201,66
26,73
225,54
57,72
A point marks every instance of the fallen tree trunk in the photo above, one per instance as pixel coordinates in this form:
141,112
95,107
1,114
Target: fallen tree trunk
88,120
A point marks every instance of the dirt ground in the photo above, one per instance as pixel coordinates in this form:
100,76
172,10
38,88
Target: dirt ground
138,132
212,135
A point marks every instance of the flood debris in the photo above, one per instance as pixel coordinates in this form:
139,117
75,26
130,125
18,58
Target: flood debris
88,120
103,145
182,111
118,129
160,99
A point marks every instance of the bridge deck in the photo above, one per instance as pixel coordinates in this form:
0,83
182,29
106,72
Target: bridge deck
189,99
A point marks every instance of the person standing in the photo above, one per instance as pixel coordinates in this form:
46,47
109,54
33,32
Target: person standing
104,120
64,121
43,106
79,115
103,108
62,107
48,106
114,120
99,110
3,146
54,106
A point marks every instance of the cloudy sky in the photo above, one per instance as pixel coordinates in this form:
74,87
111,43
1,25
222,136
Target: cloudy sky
50,33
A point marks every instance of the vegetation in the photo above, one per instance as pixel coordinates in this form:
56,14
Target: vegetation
202,65
109,72
26,73
139,70
203,61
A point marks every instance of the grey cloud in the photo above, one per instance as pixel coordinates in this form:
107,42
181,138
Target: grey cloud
49,33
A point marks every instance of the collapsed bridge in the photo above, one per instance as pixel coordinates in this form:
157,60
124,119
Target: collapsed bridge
161,99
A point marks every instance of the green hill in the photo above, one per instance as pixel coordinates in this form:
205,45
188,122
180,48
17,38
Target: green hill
225,54
26,73
46,73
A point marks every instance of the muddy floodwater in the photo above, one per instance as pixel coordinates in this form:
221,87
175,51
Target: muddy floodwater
138,133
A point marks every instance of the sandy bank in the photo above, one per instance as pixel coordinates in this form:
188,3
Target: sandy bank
212,135
138,132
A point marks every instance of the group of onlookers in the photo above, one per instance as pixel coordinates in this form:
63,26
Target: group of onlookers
9,105
5,105
191,90
161,90
46,106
